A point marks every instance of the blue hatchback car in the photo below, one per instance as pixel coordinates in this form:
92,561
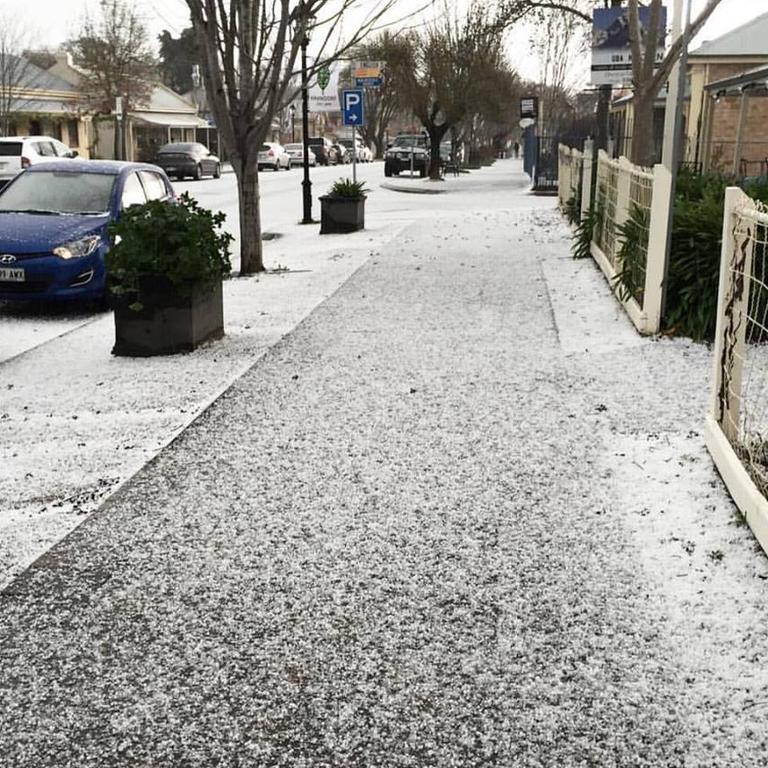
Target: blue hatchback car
53,225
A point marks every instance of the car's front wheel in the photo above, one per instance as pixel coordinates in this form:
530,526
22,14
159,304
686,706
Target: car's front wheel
198,173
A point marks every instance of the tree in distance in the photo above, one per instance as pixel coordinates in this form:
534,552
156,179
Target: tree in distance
249,56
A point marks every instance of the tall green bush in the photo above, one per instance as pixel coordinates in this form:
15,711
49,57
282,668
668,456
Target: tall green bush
694,264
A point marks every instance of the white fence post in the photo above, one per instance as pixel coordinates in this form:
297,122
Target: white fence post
657,247
622,199
563,172
732,314
586,177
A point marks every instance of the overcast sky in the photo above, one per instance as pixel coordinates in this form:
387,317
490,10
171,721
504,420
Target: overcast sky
63,19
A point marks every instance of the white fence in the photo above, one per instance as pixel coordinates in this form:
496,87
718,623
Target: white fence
627,196
569,174
737,422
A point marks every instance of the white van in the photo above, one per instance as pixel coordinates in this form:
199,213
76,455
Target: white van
19,152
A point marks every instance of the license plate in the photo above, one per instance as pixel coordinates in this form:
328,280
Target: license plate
12,274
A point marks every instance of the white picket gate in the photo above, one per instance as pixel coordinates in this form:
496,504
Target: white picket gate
737,423
569,174
622,188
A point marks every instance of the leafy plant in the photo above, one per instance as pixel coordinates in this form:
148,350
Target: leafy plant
181,242
572,209
584,232
346,188
633,254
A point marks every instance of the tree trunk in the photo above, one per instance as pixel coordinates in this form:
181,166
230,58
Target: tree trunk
643,143
436,133
251,256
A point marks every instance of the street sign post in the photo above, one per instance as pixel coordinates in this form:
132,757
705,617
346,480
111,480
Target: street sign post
368,74
352,109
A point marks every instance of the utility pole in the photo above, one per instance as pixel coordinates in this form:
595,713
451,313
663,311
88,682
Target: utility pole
673,156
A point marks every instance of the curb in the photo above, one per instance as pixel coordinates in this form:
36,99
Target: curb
412,190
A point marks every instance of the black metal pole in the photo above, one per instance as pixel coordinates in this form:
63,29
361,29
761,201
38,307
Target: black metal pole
306,183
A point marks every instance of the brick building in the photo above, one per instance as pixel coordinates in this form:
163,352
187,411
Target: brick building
727,128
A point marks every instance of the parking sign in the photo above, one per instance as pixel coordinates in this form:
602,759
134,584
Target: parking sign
352,107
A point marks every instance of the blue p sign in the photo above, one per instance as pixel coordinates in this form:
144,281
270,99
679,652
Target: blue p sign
352,107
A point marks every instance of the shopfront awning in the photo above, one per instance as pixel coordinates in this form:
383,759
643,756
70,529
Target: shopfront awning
170,119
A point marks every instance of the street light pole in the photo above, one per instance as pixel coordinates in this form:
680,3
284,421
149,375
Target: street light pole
306,183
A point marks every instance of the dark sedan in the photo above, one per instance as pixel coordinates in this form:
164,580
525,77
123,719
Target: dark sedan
188,159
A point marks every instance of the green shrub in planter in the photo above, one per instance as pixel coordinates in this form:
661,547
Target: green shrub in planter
181,242
342,210
165,271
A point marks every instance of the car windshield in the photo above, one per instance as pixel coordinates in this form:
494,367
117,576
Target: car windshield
410,141
58,192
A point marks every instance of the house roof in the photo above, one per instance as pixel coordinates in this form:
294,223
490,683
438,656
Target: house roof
25,74
750,39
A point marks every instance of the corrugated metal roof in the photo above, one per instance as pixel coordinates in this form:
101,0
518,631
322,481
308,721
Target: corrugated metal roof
750,39
175,120
25,74
43,106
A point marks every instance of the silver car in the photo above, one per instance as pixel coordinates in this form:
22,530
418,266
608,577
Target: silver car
296,152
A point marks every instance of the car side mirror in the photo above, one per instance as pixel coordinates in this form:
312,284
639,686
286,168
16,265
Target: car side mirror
73,153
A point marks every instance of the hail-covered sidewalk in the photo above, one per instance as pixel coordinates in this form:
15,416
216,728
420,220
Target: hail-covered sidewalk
460,516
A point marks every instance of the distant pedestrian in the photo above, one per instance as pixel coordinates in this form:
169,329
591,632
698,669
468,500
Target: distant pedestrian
516,149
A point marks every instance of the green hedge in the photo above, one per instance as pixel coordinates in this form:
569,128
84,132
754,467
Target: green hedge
694,265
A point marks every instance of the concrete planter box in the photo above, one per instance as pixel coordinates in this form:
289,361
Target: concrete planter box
169,321
339,215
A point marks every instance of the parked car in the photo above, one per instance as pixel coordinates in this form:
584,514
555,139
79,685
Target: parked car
340,155
181,159
274,156
322,149
20,152
53,225
364,154
296,151
409,151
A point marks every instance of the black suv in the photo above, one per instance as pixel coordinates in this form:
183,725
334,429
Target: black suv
321,147
408,151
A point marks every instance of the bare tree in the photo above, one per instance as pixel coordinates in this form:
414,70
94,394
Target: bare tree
647,76
560,39
439,80
16,72
249,51
381,104
114,56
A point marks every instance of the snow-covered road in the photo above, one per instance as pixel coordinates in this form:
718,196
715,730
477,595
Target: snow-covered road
460,516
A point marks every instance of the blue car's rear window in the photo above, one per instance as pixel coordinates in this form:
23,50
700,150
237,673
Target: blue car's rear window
59,192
